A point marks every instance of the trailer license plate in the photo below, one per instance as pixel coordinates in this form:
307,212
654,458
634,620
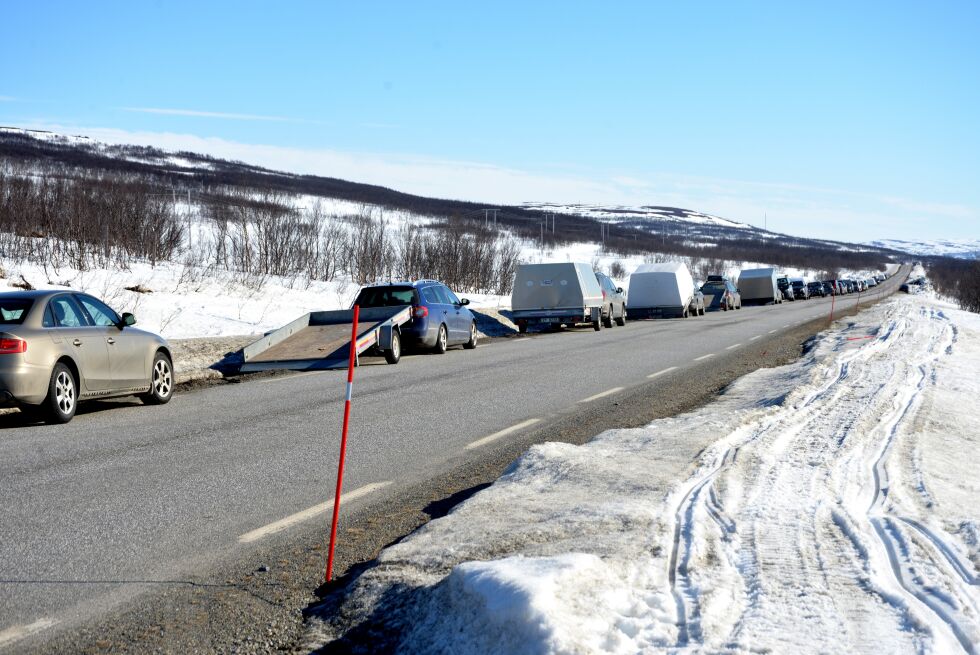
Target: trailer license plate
551,319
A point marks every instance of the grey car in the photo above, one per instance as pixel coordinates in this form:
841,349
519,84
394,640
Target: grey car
59,347
613,301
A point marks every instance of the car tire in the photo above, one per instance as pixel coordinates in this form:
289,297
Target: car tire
62,400
621,321
394,354
522,327
608,320
701,311
597,324
686,313
471,344
161,381
442,341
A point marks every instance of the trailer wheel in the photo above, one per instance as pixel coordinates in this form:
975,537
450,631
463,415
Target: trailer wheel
701,311
441,341
522,327
686,313
597,324
471,344
393,354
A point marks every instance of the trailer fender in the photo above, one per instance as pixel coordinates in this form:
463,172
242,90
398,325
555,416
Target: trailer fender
384,338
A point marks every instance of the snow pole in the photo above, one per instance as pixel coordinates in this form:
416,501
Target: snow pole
833,296
343,444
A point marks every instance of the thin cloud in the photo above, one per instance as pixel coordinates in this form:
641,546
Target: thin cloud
8,99
212,114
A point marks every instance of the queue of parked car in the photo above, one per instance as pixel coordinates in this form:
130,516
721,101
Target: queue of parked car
60,347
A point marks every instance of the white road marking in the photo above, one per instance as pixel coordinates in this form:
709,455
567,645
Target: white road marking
605,393
698,359
308,514
281,378
522,339
502,433
758,336
659,373
772,331
733,346
18,632
786,326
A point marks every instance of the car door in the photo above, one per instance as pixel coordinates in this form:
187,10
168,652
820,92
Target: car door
454,312
127,361
69,325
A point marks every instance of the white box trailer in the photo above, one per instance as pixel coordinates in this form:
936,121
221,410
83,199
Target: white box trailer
555,294
758,286
665,289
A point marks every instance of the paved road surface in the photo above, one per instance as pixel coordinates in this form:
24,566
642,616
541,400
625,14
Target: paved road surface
127,497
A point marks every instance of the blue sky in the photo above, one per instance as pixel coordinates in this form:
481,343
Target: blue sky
834,119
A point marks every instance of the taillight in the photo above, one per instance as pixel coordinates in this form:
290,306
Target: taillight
603,295
13,346
420,311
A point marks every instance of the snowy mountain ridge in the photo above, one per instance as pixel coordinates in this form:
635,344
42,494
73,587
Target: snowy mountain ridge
621,213
959,248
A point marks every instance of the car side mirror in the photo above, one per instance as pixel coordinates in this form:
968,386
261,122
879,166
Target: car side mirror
127,320
464,301
619,289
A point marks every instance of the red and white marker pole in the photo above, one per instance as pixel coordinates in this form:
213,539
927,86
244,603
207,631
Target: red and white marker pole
343,444
833,297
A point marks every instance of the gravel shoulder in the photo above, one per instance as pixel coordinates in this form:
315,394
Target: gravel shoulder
257,604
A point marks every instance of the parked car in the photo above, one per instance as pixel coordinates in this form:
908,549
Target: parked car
696,308
439,318
800,290
60,347
721,295
613,301
816,289
828,289
785,288
556,294
871,282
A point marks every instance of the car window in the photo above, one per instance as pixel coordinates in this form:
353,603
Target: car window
444,295
66,312
453,298
430,296
385,297
99,312
13,311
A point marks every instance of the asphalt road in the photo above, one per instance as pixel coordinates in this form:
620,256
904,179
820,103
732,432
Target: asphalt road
128,499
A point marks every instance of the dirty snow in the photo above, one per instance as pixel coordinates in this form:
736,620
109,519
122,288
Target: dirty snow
831,505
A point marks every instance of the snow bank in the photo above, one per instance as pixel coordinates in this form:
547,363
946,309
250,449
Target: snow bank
827,506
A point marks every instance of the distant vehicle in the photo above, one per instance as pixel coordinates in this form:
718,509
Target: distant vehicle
759,286
800,291
871,282
816,289
665,289
785,288
696,308
60,347
721,295
556,294
828,289
613,301
439,318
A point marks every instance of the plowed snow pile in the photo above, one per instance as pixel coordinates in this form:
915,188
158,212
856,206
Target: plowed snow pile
836,510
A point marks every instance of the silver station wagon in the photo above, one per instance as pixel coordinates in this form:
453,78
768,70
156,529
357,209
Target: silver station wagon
59,347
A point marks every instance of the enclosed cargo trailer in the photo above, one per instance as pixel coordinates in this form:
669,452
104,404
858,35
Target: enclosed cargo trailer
555,294
759,286
665,289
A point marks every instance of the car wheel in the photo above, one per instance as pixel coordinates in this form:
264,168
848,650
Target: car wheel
597,324
62,399
621,321
161,381
393,354
701,311
607,321
471,344
522,327
442,341
686,313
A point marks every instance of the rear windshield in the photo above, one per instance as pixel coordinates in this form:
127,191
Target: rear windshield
14,311
713,286
797,283
386,297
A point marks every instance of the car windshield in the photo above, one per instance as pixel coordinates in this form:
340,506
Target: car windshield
797,284
386,296
13,311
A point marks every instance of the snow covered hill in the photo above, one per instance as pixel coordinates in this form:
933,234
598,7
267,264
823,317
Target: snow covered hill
961,248
622,213
831,505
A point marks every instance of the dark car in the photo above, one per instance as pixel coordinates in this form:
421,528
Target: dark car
800,290
828,289
439,318
613,301
721,294
816,289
